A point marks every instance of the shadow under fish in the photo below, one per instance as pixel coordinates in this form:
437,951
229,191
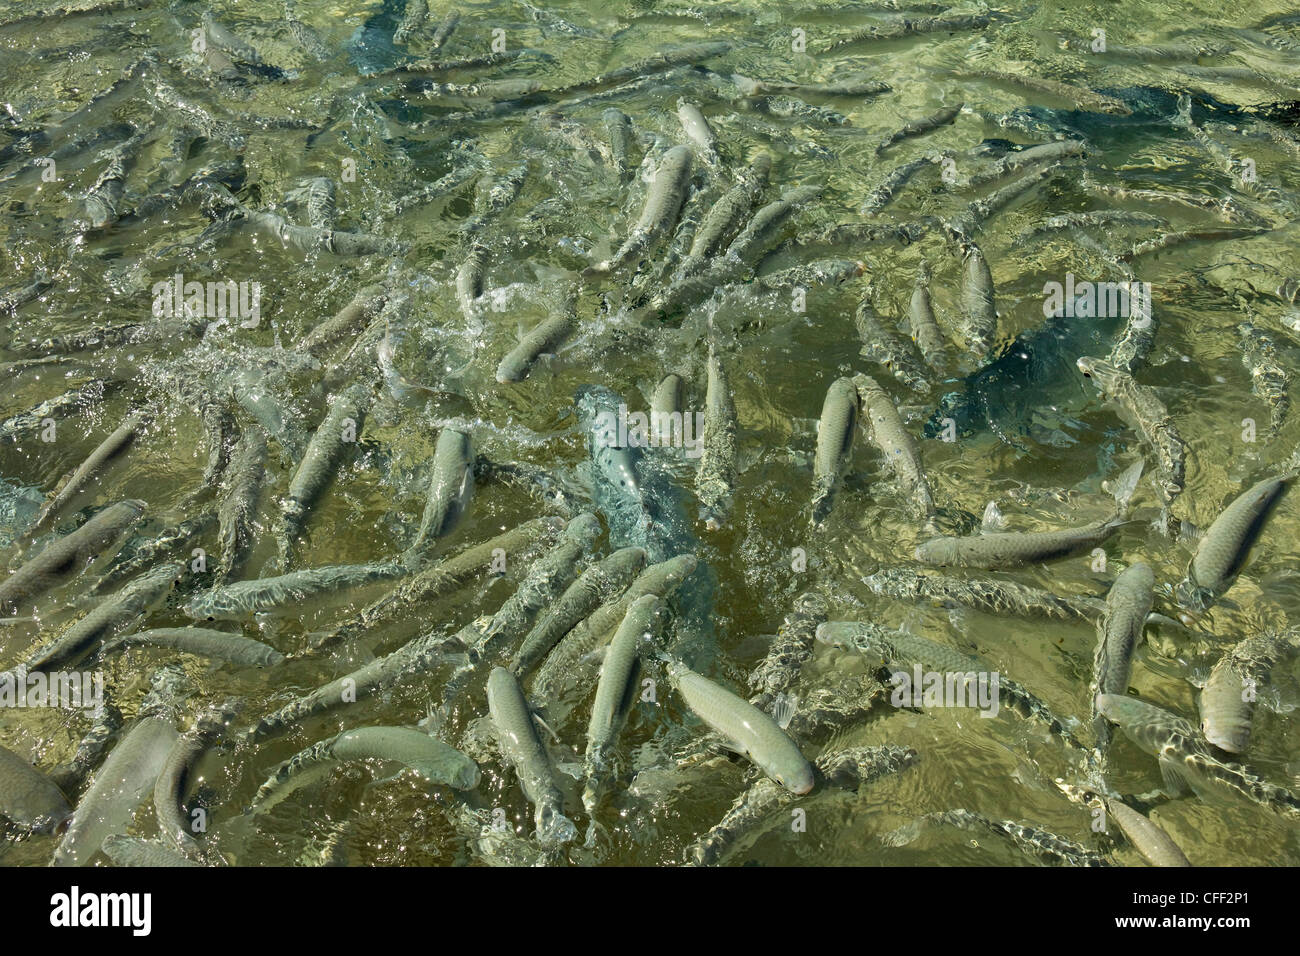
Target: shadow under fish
1029,392
644,508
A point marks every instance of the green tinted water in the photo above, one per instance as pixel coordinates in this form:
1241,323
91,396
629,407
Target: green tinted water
572,210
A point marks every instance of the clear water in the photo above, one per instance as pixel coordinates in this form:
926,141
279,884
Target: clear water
572,210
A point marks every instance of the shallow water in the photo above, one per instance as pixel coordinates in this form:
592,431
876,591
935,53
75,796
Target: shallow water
1034,437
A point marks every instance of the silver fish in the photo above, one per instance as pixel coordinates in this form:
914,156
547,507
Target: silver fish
752,732
525,752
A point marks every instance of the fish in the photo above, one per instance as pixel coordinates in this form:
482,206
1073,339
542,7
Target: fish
63,559
899,648
616,692
896,444
835,430
920,127
1015,549
905,26
618,126
596,585
1128,604
28,797
1147,837
1226,544
851,768
978,312
715,479
413,16
790,649
882,344
428,756
202,641
105,452
766,224
1140,407
747,729
134,851
855,86
1268,378
25,424
222,37
1185,759
241,487
445,29
663,202
550,574
883,194
339,429
523,750
1077,96
962,227
470,278
725,215
117,789
1020,159
447,575
656,63
451,488
240,599
1032,838
1227,700
511,621
174,779
667,397
926,334
318,194
545,338
993,596
698,131
590,635
116,613
168,543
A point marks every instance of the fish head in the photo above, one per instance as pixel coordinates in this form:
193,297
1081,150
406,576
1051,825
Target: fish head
798,777
1100,372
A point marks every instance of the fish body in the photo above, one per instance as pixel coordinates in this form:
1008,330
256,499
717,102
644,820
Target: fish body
835,430
429,757
715,479
1226,544
116,790
28,797
1118,633
598,583
1142,409
521,746
979,315
752,732
616,692
664,200
993,596
116,613
897,445
336,432
451,486
241,599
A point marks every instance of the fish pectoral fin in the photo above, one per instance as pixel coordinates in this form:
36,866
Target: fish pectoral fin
1156,619
783,708
1174,776
541,722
